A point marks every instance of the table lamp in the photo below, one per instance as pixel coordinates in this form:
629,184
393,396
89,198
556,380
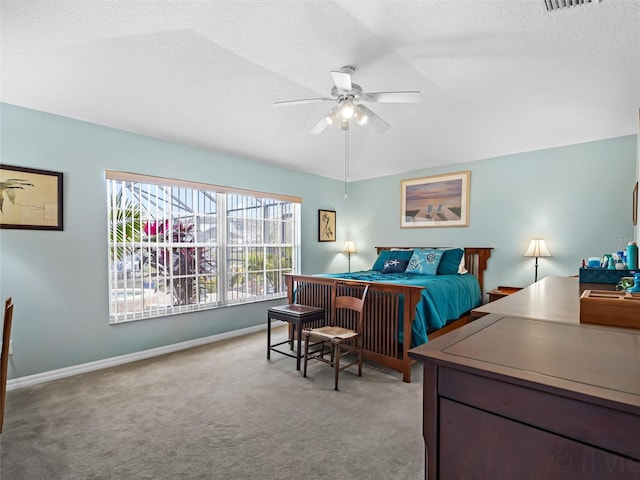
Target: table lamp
537,248
349,248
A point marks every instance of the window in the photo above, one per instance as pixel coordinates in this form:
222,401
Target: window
178,246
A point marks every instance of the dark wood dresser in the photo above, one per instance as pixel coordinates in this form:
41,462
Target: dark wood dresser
517,398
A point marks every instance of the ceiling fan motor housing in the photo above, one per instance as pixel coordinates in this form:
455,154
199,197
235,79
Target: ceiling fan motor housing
355,93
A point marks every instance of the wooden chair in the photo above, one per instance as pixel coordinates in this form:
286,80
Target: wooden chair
4,356
340,340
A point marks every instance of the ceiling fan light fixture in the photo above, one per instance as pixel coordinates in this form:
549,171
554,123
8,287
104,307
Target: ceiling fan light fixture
361,115
347,110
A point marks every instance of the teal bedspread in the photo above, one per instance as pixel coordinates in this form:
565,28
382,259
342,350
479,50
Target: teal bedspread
444,298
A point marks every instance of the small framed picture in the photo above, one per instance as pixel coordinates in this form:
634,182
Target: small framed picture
30,199
326,225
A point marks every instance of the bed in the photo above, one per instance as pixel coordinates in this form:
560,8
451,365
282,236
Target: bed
404,311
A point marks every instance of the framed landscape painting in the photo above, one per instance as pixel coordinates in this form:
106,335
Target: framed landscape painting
30,199
438,201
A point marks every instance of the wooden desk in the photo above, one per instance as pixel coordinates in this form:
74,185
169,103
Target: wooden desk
508,397
552,298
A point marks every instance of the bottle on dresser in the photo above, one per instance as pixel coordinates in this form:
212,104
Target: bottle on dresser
632,256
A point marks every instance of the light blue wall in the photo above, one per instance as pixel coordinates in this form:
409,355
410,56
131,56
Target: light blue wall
58,280
577,197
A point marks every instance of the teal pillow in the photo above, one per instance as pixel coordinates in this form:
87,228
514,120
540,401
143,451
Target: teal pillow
389,255
379,263
424,262
402,254
450,261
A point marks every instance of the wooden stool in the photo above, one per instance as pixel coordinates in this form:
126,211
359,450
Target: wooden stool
296,315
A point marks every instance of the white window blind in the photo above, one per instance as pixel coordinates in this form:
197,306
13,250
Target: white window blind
177,246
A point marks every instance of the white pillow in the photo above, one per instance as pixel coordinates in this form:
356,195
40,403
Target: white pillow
461,269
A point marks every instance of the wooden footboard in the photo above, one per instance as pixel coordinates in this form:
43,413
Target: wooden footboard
385,305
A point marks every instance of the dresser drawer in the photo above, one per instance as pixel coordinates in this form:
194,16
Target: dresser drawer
477,444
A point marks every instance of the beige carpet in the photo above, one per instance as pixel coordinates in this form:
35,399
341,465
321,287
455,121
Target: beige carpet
221,411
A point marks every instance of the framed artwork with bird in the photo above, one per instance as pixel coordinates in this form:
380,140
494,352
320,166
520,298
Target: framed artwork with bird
30,199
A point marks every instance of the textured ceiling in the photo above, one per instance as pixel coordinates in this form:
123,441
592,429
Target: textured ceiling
497,77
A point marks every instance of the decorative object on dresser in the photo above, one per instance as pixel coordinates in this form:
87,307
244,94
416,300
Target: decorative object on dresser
400,313
632,256
602,278
614,309
537,248
349,248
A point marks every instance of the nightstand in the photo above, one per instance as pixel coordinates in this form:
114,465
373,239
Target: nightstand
501,291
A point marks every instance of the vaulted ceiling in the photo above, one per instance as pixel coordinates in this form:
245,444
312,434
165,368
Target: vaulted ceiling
497,76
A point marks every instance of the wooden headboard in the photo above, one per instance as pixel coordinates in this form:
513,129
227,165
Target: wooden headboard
475,259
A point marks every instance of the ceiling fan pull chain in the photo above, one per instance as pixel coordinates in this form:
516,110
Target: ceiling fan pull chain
346,159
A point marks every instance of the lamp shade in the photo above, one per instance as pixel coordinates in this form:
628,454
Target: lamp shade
537,248
349,247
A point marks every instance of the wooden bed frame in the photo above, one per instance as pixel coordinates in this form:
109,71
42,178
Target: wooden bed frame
383,309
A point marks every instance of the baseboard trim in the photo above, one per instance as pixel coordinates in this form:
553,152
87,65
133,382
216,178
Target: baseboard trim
43,377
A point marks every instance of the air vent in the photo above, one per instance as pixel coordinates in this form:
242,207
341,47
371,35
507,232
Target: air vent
552,5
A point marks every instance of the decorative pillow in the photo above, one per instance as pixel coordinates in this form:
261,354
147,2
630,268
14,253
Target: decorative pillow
393,265
424,262
450,261
389,255
461,269
401,254
379,263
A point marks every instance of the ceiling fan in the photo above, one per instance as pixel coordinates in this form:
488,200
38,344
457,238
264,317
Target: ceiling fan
349,98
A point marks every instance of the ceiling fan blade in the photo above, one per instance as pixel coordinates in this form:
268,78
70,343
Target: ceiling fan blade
320,126
342,79
376,122
392,97
303,101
